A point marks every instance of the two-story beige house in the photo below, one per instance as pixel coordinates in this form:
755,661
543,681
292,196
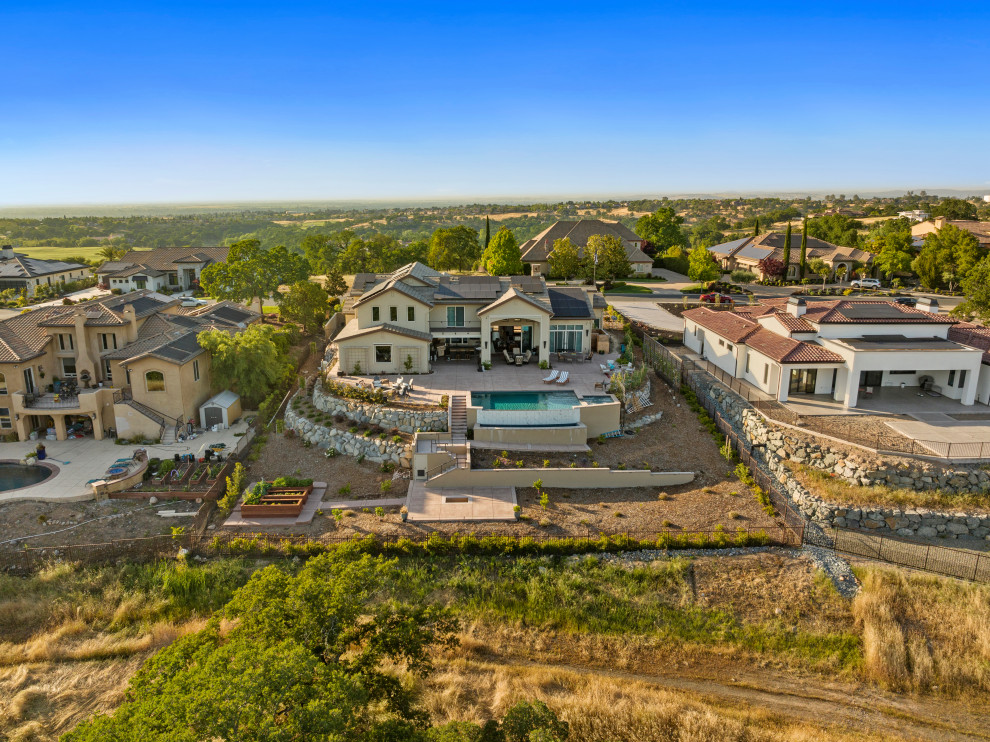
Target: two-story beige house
406,320
134,360
536,251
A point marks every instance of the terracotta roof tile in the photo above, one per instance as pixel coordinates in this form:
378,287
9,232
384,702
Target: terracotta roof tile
788,350
729,325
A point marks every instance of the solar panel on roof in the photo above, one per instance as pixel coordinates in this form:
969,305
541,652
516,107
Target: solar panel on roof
865,310
566,304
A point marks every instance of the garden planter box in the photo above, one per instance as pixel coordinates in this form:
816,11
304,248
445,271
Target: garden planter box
280,502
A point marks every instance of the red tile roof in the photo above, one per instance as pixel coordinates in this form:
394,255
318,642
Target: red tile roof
973,335
788,350
792,323
833,312
729,325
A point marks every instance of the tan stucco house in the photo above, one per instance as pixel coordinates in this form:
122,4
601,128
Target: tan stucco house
747,252
406,320
980,230
134,359
172,268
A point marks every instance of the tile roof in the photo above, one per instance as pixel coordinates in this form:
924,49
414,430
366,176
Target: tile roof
514,293
733,327
790,322
351,330
422,294
22,266
771,244
974,335
537,248
788,350
845,311
165,258
569,302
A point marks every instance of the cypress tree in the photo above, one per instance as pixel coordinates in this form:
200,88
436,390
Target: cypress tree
488,232
787,250
756,228
804,246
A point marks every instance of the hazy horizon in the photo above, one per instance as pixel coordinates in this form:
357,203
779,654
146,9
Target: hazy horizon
190,102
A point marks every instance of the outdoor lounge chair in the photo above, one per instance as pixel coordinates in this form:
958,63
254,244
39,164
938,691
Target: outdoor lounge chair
527,355
508,359
564,377
552,377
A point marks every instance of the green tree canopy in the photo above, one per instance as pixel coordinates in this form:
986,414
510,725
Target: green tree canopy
251,272
837,229
502,258
954,208
709,232
305,302
947,256
249,362
456,248
305,659
564,259
323,250
662,229
891,244
976,288
612,262
819,267
702,266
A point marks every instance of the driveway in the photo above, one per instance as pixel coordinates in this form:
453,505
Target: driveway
648,312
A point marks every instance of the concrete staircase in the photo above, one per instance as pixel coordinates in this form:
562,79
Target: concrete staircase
457,419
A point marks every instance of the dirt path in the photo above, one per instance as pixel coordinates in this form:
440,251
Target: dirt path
855,708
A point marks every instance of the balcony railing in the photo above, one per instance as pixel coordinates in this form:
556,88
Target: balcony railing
62,401
466,327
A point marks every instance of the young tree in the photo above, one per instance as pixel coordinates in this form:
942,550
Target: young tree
771,267
662,230
306,303
253,273
819,267
612,262
787,251
250,362
804,247
564,259
503,258
334,283
702,265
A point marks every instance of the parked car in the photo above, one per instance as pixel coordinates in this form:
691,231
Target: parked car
716,298
908,301
865,283
189,301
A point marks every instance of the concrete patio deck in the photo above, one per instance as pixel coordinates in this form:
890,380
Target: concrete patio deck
884,401
462,377
426,503
84,459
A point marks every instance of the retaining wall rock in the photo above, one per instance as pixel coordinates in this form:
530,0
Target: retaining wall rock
408,421
860,468
347,443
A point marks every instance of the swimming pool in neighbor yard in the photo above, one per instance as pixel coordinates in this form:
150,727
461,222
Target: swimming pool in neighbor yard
556,400
14,476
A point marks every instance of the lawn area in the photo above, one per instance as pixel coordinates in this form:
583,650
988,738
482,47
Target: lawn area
627,288
61,253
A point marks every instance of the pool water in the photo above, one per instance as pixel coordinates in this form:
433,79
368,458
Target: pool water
15,476
524,400
597,399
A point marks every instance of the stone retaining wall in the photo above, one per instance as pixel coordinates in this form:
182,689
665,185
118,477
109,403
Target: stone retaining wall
408,421
783,445
347,443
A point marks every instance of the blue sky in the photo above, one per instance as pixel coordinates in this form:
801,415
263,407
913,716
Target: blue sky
212,101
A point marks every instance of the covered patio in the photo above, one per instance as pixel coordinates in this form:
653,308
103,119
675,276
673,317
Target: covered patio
885,400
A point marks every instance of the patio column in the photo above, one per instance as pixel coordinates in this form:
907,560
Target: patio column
486,339
544,339
783,383
60,432
852,387
969,390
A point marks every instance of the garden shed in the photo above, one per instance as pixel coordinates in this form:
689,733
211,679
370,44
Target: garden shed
220,410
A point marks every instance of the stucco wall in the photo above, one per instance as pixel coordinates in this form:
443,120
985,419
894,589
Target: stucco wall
574,435
362,350
570,478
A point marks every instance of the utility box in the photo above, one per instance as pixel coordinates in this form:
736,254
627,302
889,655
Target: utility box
220,411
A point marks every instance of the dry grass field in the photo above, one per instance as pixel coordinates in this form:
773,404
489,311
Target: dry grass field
754,647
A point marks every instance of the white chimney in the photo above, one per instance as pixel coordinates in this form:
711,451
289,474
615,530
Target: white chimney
7,252
927,305
796,306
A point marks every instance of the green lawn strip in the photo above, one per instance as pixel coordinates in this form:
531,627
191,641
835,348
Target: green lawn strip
626,288
588,596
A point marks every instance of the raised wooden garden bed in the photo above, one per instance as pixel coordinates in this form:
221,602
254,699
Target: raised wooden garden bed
280,502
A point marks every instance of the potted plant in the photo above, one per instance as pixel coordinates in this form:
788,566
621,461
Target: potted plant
403,513
517,511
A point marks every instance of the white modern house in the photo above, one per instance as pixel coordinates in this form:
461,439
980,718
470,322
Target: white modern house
841,349
171,268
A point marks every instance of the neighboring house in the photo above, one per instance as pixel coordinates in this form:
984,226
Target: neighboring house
135,359
536,250
837,348
19,272
915,215
747,252
981,230
172,268
402,321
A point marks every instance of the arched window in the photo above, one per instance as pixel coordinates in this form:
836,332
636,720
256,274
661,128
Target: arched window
3,384
154,381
